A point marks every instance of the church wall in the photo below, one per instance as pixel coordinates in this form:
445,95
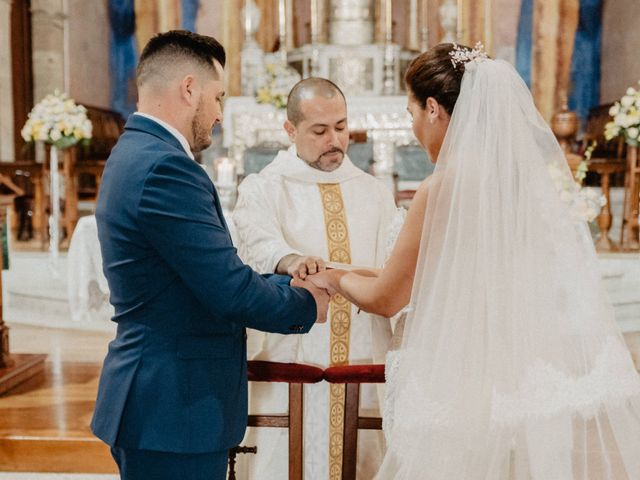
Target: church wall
88,52
620,45
48,38
506,14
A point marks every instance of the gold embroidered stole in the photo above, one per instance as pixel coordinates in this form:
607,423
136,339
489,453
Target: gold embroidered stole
337,232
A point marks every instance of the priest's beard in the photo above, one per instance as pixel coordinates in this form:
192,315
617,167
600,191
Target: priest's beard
329,160
199,131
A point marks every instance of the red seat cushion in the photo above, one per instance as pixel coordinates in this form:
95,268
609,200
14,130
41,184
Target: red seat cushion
355,374
261,371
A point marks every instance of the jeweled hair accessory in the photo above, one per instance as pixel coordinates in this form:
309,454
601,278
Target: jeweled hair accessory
463,55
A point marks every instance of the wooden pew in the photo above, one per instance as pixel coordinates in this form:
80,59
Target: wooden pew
81,166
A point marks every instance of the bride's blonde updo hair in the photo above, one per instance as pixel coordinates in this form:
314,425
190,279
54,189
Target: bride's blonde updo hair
433,74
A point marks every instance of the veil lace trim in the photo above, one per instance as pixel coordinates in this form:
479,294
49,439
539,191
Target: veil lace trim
546,391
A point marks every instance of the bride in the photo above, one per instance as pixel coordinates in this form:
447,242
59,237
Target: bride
511,364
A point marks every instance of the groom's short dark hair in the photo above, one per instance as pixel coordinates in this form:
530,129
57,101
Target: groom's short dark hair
167,49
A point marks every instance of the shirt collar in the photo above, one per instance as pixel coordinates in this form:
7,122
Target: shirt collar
174,131
288,164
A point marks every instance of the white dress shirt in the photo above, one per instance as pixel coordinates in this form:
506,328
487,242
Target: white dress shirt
172,130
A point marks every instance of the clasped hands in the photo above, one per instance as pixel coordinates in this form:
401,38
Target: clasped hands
310,273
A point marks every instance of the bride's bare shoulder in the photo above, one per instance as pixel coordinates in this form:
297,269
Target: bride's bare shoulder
426,187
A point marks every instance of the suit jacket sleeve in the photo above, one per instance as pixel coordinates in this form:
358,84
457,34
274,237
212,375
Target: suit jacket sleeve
177,215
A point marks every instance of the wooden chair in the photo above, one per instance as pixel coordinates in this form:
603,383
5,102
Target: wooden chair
296,376
352,376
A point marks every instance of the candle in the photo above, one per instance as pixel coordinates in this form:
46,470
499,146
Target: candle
460,25
314,21
282,12
424,17
488,26
388,18
247,19
225,172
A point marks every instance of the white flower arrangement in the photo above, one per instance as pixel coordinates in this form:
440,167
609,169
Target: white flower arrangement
57,120
275,82
584,203
626,118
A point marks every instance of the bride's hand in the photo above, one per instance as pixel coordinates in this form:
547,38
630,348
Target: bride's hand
329,280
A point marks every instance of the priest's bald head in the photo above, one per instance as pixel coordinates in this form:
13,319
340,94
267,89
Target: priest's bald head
317,123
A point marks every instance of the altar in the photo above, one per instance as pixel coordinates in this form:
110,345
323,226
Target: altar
351,44
383,121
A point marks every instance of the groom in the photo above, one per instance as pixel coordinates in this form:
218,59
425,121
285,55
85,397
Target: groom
172,398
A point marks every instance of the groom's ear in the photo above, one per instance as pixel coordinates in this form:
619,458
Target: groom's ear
290,128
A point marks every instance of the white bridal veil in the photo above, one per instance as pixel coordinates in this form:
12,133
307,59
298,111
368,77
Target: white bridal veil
512,366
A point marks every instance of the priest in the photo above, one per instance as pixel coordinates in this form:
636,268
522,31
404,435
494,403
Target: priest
311,206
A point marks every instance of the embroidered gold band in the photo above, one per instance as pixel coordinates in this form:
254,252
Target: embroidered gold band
337,233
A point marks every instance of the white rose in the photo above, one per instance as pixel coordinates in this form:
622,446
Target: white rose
631,91
614,110
26,133
55,135
624,120
627,101
633,132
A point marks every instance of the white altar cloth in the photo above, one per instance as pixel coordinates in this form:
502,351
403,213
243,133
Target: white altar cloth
86,284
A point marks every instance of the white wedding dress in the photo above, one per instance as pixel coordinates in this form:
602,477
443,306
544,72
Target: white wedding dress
511,365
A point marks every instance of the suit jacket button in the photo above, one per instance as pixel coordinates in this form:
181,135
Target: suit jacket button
295,328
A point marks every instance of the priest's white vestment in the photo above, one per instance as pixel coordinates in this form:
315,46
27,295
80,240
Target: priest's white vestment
292,208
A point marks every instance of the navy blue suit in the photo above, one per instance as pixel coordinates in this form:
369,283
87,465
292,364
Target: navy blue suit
175,379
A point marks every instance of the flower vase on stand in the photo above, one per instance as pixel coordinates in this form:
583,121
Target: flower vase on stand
58,121
54,217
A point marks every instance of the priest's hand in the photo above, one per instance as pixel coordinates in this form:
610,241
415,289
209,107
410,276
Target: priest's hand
300,266
320,295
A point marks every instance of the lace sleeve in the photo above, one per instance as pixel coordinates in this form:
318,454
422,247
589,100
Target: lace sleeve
394,230
397,321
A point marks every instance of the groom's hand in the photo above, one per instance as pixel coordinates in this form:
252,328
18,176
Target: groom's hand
320,295
300,266
328,280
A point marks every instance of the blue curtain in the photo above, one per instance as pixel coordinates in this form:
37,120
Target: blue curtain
584,90
123,56
584,87
524,41
189,14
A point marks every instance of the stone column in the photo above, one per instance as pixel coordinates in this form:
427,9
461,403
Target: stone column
48,39
6,106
